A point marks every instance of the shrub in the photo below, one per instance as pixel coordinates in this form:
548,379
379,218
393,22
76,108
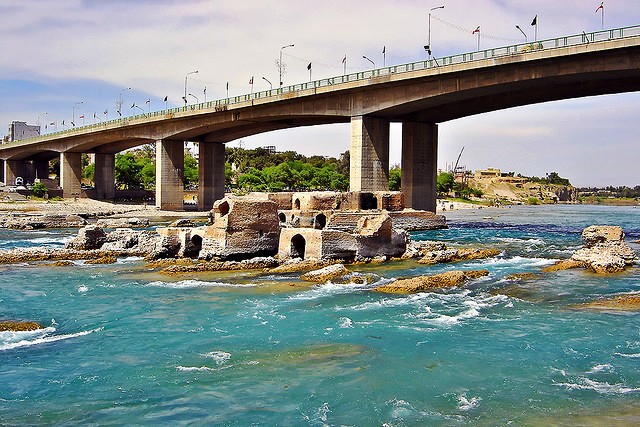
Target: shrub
39,189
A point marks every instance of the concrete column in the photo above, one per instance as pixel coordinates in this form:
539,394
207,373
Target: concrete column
2,171
12,170
104,176
369,169
419,165
169,173
70,174
210,174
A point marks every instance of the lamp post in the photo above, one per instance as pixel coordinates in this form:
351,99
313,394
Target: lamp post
267,80
374,64
73,119
185,85
280,65
197,101
428,46
120,101
523,33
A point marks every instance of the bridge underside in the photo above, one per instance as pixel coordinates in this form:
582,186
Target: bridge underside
419,101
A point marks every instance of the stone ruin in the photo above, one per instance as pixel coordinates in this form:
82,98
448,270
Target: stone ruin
309,225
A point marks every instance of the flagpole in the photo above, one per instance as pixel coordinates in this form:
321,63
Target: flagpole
478,41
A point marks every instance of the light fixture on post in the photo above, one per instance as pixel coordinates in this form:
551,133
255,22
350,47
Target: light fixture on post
428,46
119,109
280,64
267,80
374,64
73,119
523,33
185,85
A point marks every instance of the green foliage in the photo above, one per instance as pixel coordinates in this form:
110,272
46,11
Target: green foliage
395,178
127,171
552,178
89,172
294,175
445,182
533,201
467,192
190,176
39,189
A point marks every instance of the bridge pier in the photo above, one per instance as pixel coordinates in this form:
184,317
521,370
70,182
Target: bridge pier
169,173
210,174
70,174
41,170
420,165
104,176
12,170
369,169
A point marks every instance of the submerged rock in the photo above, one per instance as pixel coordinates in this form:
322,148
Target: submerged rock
17,326
430,283
564,264
628,302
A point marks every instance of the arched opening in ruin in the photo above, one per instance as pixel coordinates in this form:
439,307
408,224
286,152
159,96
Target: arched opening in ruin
320,221
282,217
296,204
223,208
298,246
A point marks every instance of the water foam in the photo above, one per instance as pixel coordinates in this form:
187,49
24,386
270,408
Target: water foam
43,337
220,357
599,387
192,284
465,404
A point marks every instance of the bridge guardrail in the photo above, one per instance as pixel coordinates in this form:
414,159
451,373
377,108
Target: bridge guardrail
519,48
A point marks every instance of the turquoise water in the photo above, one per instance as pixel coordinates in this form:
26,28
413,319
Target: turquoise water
127,346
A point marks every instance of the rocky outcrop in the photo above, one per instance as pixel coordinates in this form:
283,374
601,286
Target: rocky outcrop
326,274
258,263
122,223
18,326
89,237
605,250
430,283
457,255
119,240
33,222
564,264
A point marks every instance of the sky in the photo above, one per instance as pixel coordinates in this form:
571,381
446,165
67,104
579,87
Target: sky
71,58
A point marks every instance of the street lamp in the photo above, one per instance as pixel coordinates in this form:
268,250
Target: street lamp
280,65
197,101
267,80
428,46
120,101
185,85
523,33
73,120
374,64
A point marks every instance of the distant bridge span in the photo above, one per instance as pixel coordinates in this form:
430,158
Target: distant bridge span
418,95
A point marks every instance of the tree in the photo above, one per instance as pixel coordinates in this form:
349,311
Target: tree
127,171
39,189
395,178
190,176
445,182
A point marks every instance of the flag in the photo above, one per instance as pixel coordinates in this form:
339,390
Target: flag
94,115
251,80
133,105
600,7
344,59
309,66
63,123
535,20
81,117
52,124
165,98
384,49
477,30
147,101
105,112
227,85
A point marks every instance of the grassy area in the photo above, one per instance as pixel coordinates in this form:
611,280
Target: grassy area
612,201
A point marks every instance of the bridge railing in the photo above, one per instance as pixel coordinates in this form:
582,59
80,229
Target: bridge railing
222,104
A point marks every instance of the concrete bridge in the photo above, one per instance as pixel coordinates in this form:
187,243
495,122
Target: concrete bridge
419,95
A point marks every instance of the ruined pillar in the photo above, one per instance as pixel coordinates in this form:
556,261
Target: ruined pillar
210,174
169,173
369,170
104,176
419,165
70,174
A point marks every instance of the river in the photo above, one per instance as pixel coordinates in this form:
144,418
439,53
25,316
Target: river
124,345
